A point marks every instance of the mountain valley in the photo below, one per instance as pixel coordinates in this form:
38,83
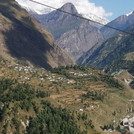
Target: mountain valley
113,54
43,90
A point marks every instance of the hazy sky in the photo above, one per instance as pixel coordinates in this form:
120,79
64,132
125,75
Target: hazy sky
109,9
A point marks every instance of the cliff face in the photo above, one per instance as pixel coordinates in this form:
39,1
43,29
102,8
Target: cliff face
73,34
22,38
77,41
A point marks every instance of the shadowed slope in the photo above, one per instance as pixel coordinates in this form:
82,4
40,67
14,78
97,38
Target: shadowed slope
24,39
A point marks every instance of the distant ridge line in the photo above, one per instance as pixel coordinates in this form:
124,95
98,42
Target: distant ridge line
81,17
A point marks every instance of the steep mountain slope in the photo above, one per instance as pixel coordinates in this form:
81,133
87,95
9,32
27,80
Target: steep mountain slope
72,34
58,22
121,23
22,38
112,53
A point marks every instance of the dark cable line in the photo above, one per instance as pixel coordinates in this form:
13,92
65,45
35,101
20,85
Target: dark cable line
81,17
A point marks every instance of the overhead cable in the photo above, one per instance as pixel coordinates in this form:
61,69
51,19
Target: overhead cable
81,17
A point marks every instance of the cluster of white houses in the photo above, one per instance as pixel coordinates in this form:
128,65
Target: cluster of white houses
56,79
26,69
46,77
80,74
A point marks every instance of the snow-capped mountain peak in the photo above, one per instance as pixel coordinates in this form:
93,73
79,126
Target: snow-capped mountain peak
130,13
96,18
48,10
35,11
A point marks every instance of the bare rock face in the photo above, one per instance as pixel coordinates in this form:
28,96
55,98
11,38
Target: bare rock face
73,34
77,41
23,38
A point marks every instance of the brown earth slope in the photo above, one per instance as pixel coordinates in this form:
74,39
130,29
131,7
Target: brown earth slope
22,38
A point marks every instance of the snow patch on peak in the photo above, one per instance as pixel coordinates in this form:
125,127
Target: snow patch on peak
130,13
40,12
96,18
82,7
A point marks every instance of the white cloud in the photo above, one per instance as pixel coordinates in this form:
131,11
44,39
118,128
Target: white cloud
83,6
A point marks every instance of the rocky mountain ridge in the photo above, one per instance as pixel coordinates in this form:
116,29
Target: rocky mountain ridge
72,34
122,23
